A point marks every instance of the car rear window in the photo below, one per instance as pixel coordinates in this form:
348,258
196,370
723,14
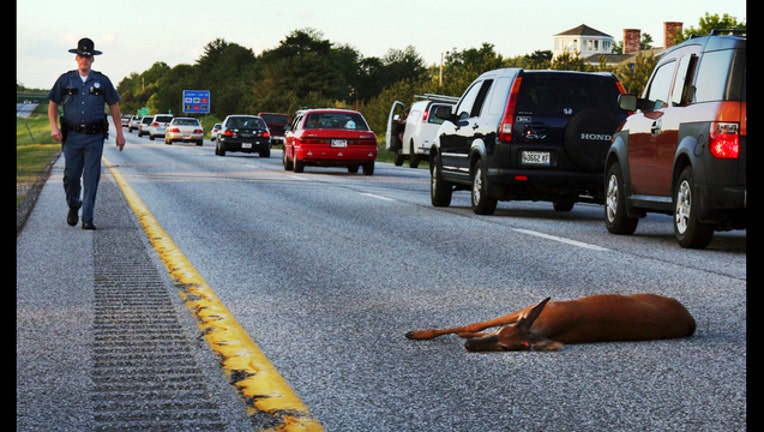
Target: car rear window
164,118
275,119
352,121
245,122
186,122
559,93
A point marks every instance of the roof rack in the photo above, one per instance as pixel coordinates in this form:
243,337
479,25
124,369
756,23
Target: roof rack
740,32
437,97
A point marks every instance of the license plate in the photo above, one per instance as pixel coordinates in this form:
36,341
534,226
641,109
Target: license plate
245,135
246,145
339,143
535,158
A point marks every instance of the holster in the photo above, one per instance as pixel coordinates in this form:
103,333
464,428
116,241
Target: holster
105,127
64,128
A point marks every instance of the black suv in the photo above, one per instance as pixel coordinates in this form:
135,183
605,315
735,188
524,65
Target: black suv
683,152
517,134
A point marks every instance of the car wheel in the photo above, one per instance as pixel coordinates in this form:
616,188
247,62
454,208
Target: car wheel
616,219
398,158
265,153
563,206
200,142
587,138
688,230
219,149
368,168
167,141
285,160
299,166
482,204
151,137
413,157
440,190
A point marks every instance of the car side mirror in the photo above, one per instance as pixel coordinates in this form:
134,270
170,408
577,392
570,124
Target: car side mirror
627,102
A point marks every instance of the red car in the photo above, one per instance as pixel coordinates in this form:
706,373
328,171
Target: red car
330,137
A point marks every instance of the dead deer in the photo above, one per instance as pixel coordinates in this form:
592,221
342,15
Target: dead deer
598,318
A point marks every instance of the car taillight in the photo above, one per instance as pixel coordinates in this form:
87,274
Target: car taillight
266,134
228,133
724,140
505,127
197,131
155,124
425,113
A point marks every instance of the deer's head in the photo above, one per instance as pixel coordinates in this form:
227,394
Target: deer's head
517,336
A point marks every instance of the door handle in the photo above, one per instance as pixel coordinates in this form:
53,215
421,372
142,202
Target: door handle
655,128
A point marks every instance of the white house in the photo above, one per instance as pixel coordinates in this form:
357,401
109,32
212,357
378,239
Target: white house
583,40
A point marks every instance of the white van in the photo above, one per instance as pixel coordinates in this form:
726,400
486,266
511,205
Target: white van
419,129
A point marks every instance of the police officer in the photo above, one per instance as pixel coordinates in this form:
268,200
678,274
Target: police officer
82,94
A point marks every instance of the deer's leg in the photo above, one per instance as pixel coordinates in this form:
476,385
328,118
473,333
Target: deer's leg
467,331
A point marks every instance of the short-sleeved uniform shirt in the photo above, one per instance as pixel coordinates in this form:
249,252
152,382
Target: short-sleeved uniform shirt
83,102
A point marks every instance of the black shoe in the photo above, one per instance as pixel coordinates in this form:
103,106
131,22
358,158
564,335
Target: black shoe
88,225
72,218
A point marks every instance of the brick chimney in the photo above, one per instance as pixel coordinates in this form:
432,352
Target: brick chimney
670,29
631,38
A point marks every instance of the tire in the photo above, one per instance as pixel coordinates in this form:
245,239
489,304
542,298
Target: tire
440,190
616,219
589,154
563,206
688,230
298,165
368,168
151,137
167,141
219,149
288,166
482,204
265,153
398,158
413,158
200,142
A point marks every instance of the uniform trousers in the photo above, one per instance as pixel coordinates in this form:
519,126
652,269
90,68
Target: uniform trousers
82,170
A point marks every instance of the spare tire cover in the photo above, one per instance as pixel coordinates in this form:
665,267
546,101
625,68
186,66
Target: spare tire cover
588,136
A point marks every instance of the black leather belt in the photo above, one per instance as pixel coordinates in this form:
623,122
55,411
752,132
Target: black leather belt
86,128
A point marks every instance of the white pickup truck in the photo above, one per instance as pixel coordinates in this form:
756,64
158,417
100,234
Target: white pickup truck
419,128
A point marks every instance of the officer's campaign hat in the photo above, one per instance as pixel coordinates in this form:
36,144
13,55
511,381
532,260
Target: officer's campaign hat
85,47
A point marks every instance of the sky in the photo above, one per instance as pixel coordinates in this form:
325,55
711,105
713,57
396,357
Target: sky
135,34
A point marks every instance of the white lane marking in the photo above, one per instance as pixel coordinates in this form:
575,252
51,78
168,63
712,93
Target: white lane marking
561,240
376,196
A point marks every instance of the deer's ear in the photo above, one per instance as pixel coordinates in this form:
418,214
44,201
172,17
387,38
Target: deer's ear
546,345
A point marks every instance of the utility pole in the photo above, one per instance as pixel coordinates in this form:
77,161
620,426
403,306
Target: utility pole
440,78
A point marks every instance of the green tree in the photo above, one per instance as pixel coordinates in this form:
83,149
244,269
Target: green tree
634,75
710,22
568,61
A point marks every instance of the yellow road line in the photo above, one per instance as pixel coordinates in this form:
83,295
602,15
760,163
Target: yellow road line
243,362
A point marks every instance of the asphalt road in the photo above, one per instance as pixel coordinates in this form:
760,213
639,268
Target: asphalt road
106,339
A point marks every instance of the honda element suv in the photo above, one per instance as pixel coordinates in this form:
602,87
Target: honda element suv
683,151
